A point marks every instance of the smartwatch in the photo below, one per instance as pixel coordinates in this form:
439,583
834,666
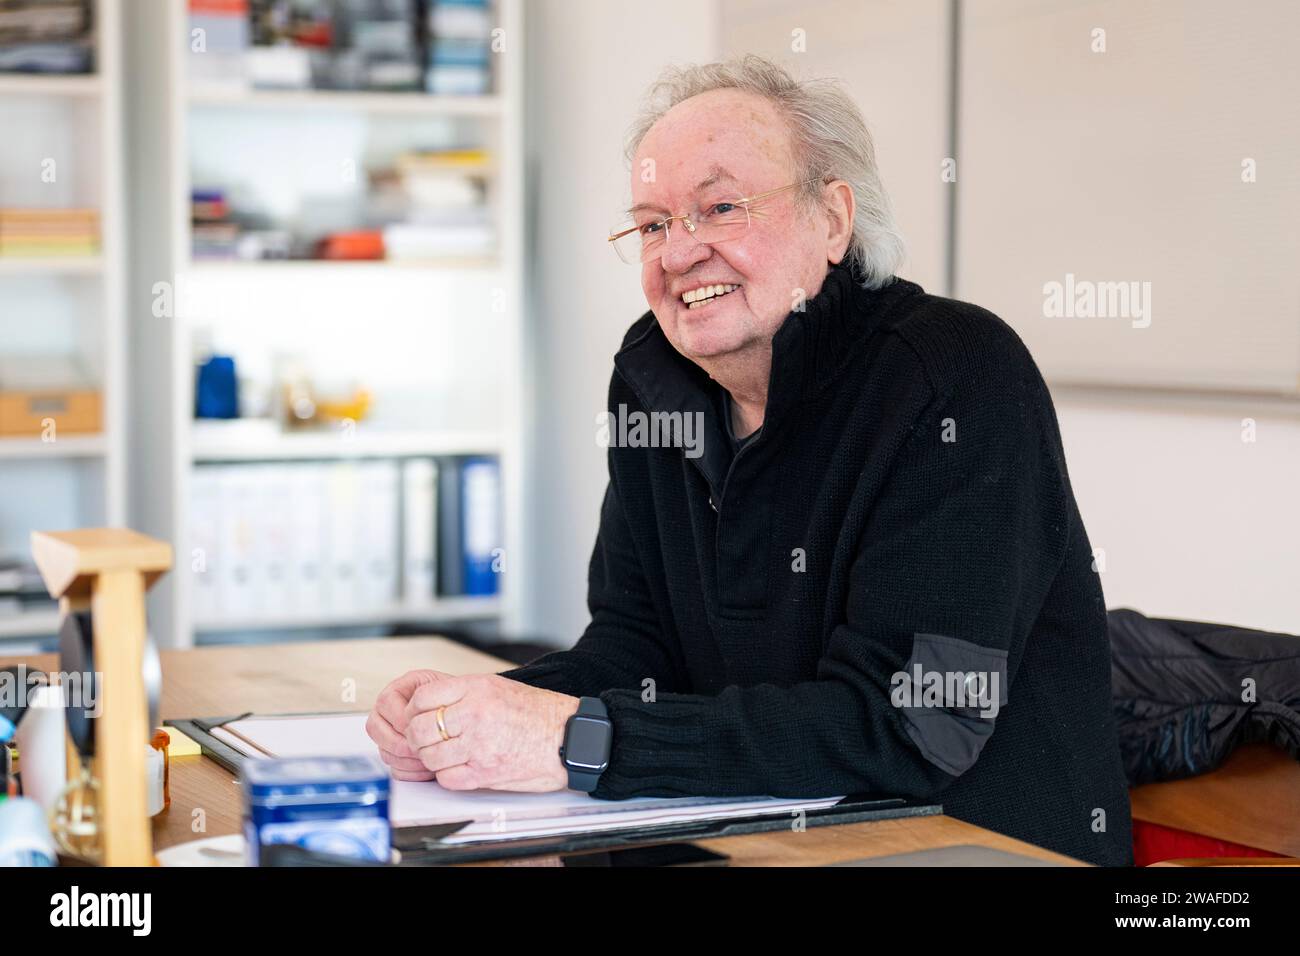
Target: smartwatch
588,736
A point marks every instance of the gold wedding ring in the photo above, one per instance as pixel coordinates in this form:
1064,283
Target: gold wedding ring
442,724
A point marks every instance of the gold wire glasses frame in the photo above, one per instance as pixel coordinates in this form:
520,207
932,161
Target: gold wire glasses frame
644,243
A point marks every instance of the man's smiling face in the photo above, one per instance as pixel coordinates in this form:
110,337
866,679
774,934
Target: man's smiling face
713,148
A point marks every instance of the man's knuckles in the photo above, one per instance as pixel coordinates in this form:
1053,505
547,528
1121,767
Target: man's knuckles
461,777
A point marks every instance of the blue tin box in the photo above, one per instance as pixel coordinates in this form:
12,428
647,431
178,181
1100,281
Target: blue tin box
333,805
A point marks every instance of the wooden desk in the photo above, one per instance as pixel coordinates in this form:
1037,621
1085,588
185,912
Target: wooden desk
348,675
1253,799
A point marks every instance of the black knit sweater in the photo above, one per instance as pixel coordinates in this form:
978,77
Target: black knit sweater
905,509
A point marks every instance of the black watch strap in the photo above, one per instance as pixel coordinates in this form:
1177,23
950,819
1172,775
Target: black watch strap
579,779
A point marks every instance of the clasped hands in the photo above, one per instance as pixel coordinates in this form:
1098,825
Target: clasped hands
500,734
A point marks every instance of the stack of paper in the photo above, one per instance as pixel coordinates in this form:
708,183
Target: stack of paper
493,815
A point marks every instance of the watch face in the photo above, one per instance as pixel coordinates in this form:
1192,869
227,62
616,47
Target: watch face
587,746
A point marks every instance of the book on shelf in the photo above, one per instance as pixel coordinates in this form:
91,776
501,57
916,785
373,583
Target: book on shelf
49,232
379,564
419,530
451,564
469,526
309,552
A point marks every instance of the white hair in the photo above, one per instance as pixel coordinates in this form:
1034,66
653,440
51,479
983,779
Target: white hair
829,140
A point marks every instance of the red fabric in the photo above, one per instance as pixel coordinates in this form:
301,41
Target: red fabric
1153,843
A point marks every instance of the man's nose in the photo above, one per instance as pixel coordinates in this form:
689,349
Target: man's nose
682,252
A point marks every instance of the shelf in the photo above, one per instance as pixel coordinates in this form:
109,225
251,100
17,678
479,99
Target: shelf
351,266
30,624
246,137
50,265
442,609
348,101
49,84
256,441
73,446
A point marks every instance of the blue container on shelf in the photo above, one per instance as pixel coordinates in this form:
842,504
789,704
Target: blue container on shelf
216,389
332,805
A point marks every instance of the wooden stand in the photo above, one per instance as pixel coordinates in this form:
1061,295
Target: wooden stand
110,569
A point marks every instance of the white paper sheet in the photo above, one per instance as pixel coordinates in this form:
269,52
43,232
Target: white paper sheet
494,814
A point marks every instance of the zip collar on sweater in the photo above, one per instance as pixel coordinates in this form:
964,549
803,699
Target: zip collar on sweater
809,351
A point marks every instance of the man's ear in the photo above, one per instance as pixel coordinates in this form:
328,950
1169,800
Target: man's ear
840,207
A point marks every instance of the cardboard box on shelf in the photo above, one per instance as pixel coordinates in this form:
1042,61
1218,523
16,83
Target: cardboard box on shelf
44,395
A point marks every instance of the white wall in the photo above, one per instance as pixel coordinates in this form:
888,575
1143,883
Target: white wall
1195,522
589,62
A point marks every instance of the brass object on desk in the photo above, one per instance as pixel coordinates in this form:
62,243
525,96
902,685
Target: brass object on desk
74,821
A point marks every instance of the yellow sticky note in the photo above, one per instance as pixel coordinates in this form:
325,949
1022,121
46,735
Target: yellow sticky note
181,746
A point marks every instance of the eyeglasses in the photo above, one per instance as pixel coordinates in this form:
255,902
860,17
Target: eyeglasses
721,221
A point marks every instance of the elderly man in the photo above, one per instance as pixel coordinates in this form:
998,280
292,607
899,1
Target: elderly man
871,577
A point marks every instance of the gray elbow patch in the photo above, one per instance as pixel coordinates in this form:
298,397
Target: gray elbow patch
949,697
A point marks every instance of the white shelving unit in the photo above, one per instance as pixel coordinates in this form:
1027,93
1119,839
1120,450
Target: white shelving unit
72,446
172,124
91,84
444,609
76,479
298,101
51,265
219,443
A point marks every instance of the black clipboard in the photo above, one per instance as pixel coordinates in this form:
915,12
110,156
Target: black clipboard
423,846
199,729
852,809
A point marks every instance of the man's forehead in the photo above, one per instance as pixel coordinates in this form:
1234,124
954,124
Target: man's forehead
714,174
660,182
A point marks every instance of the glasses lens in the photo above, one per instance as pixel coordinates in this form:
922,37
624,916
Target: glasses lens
721,221
627,246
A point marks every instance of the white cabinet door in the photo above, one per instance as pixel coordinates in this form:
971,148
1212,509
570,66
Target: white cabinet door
1124,172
